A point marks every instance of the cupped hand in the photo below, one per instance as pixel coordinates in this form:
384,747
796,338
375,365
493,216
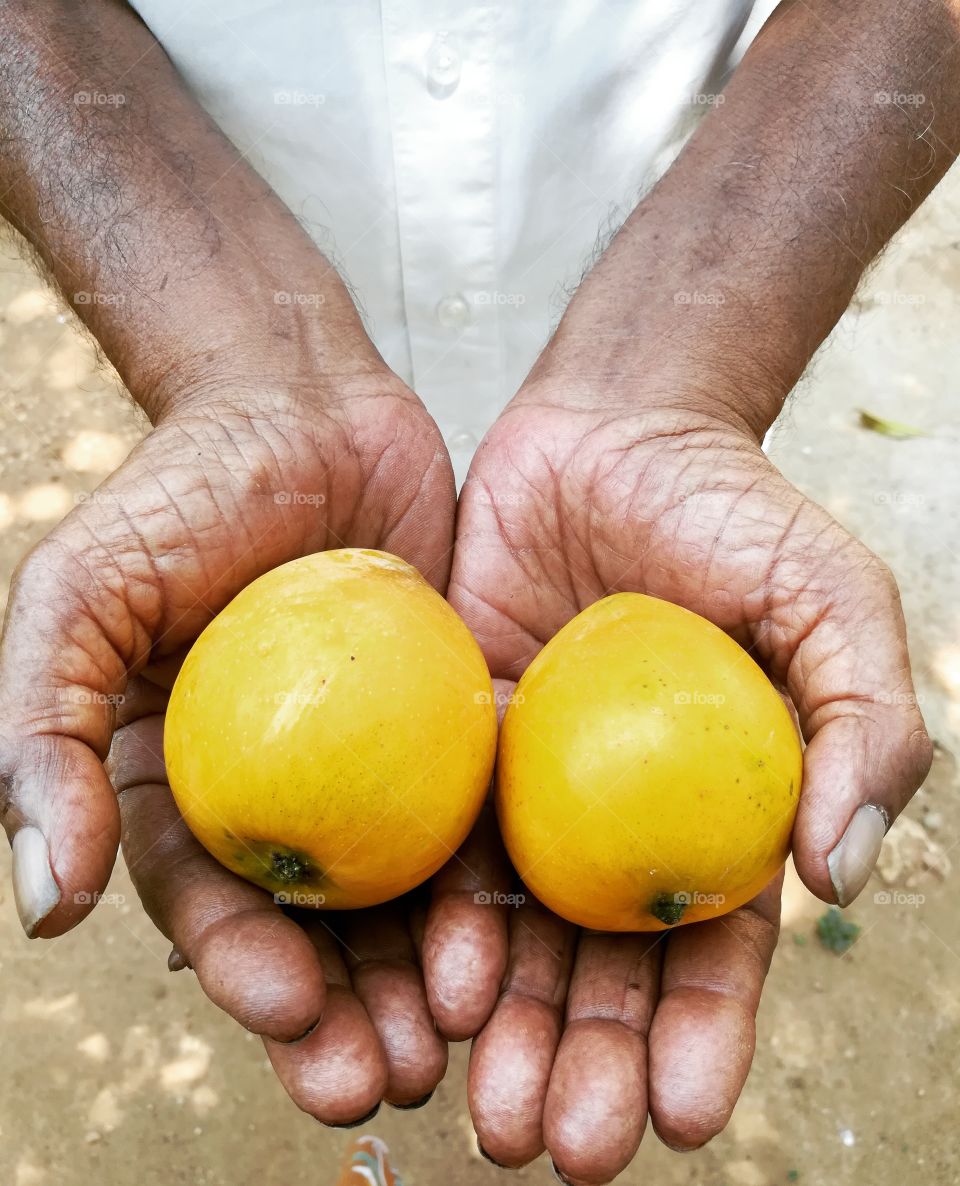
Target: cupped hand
566,502
230,484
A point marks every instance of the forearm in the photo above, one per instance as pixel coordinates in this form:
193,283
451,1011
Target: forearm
729,274
176,254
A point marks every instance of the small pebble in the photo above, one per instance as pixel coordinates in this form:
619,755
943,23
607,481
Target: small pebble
92,1137
847,1137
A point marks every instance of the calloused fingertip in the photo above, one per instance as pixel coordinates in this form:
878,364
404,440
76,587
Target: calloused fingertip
355,1123
679,1148
464,962
35,888
486,1157
567,1181
176,961
300,1037
456,1031
414,1104
701,1047
459,1011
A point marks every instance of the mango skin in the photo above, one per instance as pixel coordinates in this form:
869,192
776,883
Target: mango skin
332,732
648,773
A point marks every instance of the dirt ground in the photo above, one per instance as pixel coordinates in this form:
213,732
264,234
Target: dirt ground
114,1071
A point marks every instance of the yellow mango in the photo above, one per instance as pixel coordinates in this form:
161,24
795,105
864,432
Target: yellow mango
648,772
331,734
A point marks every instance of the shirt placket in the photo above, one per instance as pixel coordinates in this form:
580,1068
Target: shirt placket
440,86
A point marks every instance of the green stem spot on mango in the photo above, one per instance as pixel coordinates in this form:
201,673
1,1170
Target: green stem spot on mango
669,908
287,867
273,865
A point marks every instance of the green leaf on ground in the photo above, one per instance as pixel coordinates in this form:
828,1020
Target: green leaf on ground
888,428
836,933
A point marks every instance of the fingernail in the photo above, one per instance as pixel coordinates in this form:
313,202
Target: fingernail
424,1099
34,888
852,861
306,1034
176,961
486,1157
679,1148
356,1123
560,1177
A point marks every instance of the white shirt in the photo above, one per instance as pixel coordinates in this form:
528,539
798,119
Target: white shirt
459,162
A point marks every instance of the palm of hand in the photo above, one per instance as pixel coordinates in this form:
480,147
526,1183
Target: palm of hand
560,508
209,501
563,507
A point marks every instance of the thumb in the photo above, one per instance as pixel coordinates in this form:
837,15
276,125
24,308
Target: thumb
867,747
145,563
75,625
150,556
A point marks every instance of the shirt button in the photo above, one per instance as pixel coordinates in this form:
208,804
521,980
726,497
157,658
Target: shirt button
461,439
453,312
443,68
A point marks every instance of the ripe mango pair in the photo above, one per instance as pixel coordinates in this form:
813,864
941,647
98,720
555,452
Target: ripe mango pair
332,734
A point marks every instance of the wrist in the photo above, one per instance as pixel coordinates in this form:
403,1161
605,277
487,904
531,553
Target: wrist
698,377
305,340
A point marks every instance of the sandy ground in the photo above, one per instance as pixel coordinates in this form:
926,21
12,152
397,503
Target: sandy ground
114,1071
